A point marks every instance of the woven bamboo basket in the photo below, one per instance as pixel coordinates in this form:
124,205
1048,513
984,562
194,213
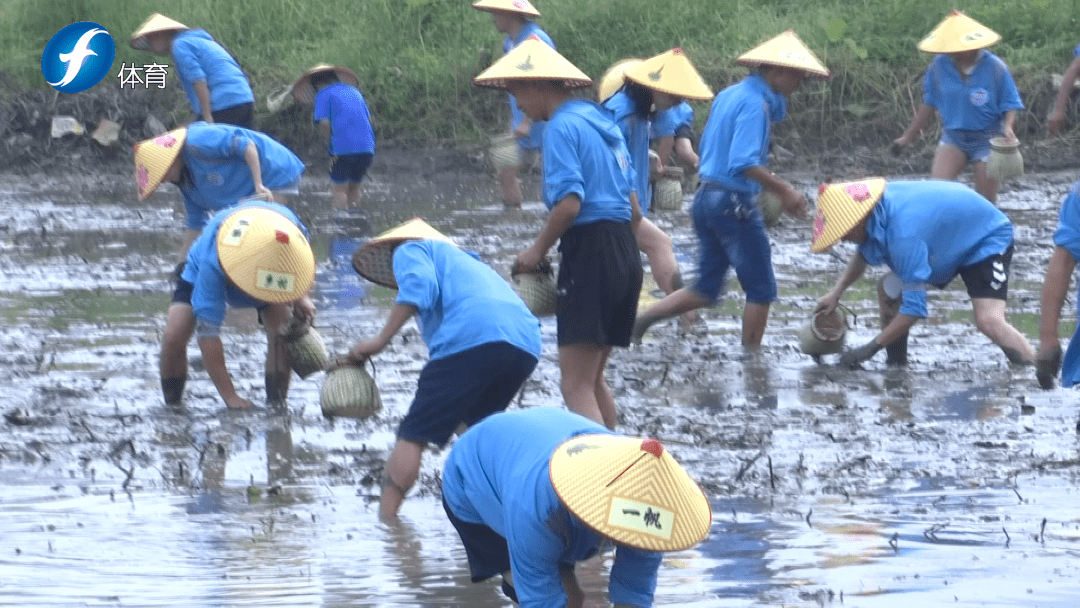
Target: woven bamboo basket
305,347
504,152
668,191
350,392
771,207
537,290
824,334
1005,160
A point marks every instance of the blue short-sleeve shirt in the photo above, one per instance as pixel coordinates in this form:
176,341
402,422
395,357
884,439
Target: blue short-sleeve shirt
197,56
635,130
737,133
974,102
668,122
1067,236
350,121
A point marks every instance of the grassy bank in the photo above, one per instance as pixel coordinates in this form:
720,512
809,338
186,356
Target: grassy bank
416,58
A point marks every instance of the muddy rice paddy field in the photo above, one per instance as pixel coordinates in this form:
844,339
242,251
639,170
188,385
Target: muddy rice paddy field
955,481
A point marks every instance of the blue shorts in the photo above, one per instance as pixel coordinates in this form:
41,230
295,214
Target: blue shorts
731,232
485,548
464,387
975,144
349,168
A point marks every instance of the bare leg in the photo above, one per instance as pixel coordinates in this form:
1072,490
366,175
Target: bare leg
353,194
755,317
888,308
990,319
580,365
604,399
179,327
399,474
661,253
949,161
341,195
278,372
510,187
983,184
681,301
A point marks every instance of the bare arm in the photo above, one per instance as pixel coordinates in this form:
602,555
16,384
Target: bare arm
854,271
203,93
665,146
897,327
1068,81
1055,286
399,314
918,123
684,151
559,221
1007,124
251,157
214,361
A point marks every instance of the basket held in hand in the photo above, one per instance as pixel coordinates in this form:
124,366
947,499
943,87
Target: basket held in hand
350,392
668,191
1005,160
824,334
305,347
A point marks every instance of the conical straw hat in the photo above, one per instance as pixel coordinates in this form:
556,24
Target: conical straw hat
153,157
532,60
265,254
615,77
510,6
786,50
841,206
156,23
630,490
958,33
671,73
303,92
375,259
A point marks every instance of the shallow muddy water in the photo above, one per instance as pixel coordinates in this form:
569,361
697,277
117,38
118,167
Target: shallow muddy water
954,481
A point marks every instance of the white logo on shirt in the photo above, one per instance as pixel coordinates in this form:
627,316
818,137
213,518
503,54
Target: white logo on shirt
979,97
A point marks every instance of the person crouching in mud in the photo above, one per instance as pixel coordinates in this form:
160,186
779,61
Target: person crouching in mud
911,227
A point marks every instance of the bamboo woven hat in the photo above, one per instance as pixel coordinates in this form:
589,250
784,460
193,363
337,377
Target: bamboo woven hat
615,77
374,260
786,50
958,33
304,92
522,7
532,60
265,254
156,23
671,73
153,157
631,490
841,206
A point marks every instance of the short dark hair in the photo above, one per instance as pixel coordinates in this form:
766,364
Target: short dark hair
642,96
324,78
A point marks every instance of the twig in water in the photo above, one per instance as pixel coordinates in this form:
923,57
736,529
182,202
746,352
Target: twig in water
1007,539
734,517
894,542
1018,495
772,478
746,466
1042,531
808,514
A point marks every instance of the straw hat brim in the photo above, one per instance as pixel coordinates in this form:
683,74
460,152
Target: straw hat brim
788,51
155,23
374,260
671,73
304,92
521,7
958,33
532,60
840,207
153,157
265,254
640,498
614,78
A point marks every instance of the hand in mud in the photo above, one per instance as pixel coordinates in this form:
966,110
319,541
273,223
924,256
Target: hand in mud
236,402
854,357
793,202
1048,363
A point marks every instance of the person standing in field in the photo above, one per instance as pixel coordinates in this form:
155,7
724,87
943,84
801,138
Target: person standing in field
734,150
343,120
216,87
482,340
650,86
514,19
1048,361
589,189
1061,102
973,91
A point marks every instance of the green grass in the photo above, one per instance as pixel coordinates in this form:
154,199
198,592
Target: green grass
416,58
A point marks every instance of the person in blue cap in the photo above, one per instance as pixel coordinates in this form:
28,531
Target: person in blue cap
483,343
255,255
213,81
1048,361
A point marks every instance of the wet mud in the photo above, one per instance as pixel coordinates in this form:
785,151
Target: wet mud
951,481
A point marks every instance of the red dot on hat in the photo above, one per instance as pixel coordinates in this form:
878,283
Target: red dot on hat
677,50
821,189
652,446
281,237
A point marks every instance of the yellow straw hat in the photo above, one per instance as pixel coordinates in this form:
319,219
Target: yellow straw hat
375,259
841,206
786,50
521,7
265,254
614,78
671,73
532,60
630,490
304,92
153,157
156,23
958,33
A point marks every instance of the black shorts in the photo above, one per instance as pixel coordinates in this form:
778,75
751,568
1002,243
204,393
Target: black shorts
684,132
349,168
184,289
241,115
487,551
464,387
988,278
599,284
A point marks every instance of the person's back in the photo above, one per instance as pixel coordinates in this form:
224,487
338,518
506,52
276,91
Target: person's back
736,134
199,57
350,119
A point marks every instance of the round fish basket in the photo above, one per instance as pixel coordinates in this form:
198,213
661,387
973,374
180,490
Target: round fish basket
305,347
504,152
668,192
350,392
1005,160
771,208
824,334
537,290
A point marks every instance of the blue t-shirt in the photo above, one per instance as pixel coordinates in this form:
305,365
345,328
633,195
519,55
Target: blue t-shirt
350,122
584,154
462,303
737,133
535,140
668,122
212,289
925,231
1068,236
971,103
217,175
497,475
197,56
635,130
